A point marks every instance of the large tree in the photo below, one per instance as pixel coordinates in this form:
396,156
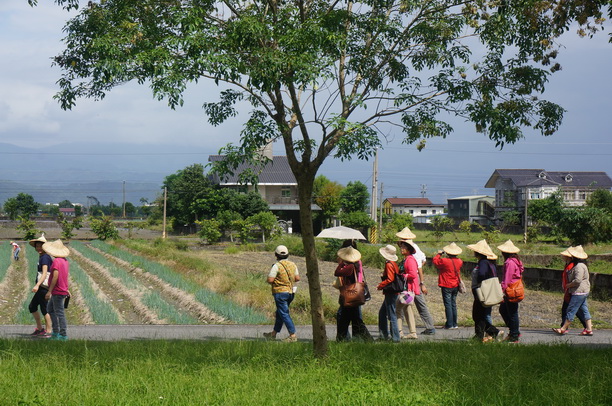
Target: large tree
23,205
327,78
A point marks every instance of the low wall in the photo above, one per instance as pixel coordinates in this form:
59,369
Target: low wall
550,280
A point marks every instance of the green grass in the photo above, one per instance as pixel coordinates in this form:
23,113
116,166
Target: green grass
260,373
6,257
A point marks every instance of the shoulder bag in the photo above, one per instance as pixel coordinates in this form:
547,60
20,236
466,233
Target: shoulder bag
515,292
462,288
353,295
490,292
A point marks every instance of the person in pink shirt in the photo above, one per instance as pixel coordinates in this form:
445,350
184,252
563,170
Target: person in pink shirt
409,267
513,271
58,288
449,277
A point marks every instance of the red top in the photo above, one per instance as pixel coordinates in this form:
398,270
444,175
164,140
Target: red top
448,271
388,276
411,273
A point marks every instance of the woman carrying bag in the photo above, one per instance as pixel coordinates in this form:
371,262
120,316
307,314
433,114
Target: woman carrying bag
449,279
350,274
485,269
392,284
513,273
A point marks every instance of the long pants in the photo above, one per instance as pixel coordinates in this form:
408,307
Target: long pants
481,323
387,318
580,315
510,314
55,308
405,311
421,306
347,316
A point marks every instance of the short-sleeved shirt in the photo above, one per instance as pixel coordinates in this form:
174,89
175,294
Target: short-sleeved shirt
284,273
44,259
63,269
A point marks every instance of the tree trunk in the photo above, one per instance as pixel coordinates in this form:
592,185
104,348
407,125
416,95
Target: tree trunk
305,182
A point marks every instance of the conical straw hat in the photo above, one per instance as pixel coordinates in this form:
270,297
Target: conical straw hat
40,239
577,252
349,254
509,248
452,249
483,248
56,249
406,234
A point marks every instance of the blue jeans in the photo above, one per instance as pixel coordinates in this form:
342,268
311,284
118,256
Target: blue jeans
283,300
16,254
578,305
449,297
509,312
387,311
55,309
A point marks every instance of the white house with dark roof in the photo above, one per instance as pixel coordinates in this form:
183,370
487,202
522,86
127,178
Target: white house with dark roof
514,187
276,185
415,206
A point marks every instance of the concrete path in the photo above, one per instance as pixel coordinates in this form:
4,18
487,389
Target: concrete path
255,332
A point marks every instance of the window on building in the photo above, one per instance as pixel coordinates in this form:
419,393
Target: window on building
286,191
423,211
433,212
411,211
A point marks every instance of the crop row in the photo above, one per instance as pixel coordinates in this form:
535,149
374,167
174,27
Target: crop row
215,302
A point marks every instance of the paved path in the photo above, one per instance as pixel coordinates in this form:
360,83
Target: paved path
255,332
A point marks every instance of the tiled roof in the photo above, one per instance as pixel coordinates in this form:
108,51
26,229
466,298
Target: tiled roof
276,172
541,177
409,201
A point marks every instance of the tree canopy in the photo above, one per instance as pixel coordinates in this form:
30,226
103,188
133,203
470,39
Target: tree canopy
22,205
330,78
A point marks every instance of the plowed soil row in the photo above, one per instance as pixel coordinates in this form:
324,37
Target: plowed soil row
126,301
13,290
179,298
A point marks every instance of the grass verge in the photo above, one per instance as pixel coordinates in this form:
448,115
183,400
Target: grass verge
257,373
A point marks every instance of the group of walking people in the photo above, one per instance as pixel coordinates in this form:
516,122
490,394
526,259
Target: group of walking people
50,289
403,287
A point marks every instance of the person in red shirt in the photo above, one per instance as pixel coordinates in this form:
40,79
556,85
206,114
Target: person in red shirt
449,278
390,290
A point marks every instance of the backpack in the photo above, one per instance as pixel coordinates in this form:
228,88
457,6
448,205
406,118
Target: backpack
398,285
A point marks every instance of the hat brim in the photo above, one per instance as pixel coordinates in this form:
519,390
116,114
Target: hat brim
386,255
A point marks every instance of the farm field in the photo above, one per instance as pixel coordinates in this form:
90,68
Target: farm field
171,282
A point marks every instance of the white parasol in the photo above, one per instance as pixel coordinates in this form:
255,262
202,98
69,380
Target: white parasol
341,233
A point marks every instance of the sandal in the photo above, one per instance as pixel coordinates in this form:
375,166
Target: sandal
586,332
559,331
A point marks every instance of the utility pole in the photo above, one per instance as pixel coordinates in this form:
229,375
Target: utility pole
423,190
373,210
380,218
164,222
373,232
123,210
525,215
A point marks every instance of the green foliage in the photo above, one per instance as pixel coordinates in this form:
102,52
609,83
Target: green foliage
491,235
210,230
354,197
357,219
441,225
68,225
267,224
466,227
104,228
22,205
27,227
327,195
600,198
393,224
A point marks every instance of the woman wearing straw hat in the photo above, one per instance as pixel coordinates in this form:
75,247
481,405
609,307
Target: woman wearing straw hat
569,264
578,287
409,269
40,289
419,300
513,272
387,309
58,287
485,269
449,278
349,271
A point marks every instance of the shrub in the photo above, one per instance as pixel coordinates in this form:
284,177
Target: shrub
104,228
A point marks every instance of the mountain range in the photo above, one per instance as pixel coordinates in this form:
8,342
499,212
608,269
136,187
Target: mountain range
75,171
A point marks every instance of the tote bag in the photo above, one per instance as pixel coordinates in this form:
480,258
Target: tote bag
490,292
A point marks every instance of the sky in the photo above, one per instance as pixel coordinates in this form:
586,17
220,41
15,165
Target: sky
131,120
